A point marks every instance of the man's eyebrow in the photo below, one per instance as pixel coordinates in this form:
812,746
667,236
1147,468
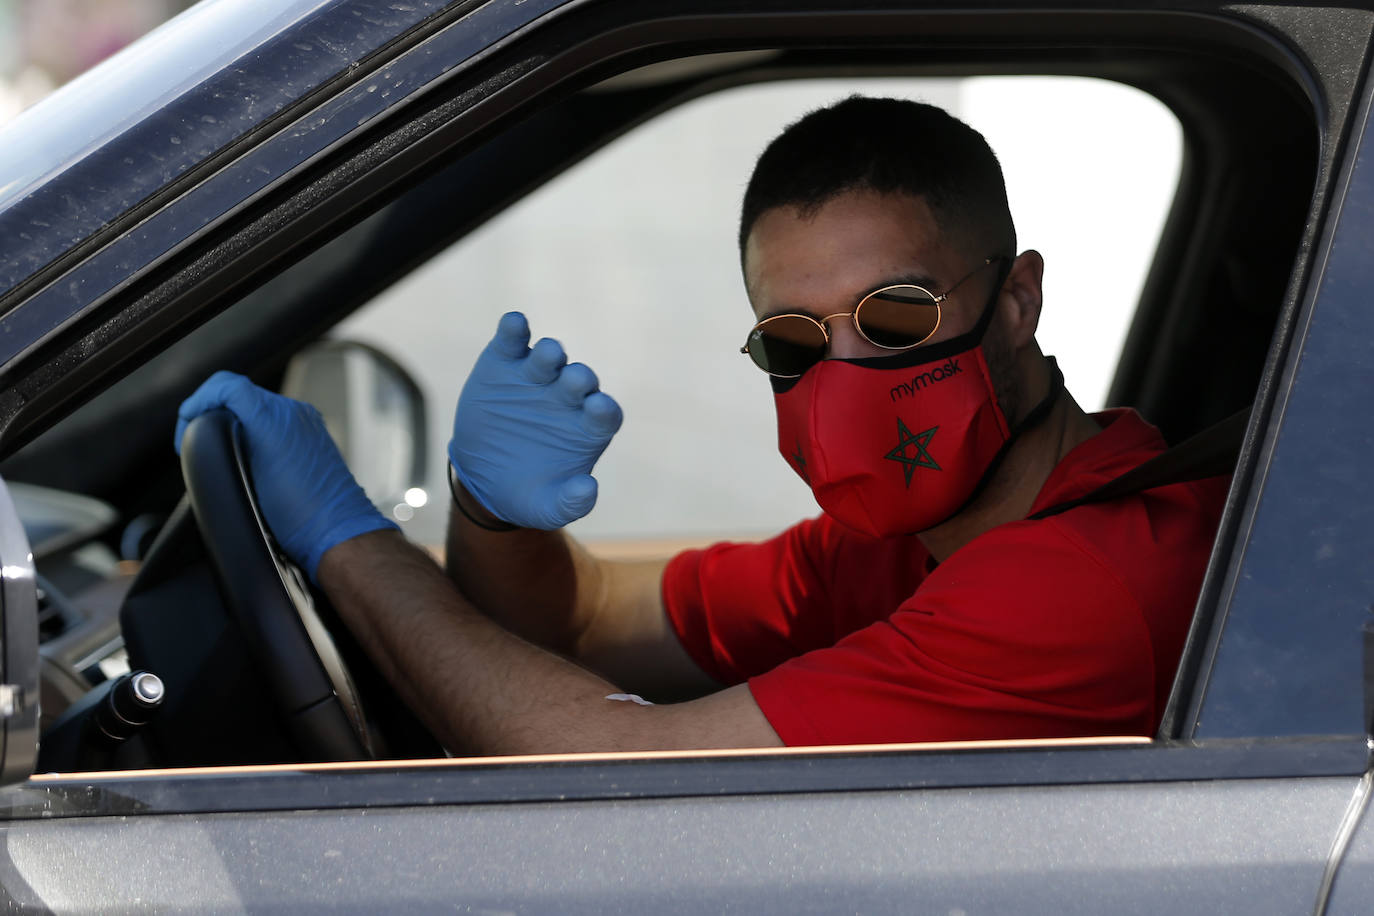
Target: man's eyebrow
925,281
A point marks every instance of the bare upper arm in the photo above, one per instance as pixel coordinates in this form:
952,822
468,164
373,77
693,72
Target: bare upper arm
629,639
726,718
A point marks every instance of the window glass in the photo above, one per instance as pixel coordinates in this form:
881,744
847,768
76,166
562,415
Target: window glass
630,260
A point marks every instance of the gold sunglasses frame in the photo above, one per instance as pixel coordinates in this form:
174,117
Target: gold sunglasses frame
854,314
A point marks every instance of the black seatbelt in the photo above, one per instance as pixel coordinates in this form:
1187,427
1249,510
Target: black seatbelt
1210,453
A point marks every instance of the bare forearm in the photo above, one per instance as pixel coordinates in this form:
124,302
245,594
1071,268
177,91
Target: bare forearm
549,589
537,584
468,678
482,689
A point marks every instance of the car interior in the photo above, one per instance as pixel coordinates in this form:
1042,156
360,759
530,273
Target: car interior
131,577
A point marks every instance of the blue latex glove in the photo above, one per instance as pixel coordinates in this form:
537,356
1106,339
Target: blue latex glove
305,491
528,429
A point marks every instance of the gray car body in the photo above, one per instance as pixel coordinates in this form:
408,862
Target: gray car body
1254,800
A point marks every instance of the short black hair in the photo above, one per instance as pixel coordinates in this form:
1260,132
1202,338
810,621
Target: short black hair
890,146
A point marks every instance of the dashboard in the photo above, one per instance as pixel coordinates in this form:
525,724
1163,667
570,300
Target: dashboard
81,581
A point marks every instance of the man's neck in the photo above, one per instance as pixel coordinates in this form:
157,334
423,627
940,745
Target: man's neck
1011,492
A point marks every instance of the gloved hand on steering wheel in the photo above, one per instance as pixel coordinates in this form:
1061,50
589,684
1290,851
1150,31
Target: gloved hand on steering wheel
528,429
305,491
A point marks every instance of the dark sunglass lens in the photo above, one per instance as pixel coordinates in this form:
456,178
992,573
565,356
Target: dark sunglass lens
901,316
786,345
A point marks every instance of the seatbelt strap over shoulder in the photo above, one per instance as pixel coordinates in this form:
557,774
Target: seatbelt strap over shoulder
1210,453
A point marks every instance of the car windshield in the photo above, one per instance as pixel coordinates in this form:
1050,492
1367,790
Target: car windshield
111,97
135,123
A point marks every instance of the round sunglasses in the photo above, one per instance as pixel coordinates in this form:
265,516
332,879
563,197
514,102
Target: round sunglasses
896,317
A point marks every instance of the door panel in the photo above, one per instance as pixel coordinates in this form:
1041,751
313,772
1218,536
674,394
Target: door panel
1254,846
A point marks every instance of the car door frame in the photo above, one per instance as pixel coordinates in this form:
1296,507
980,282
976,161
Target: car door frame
1287,772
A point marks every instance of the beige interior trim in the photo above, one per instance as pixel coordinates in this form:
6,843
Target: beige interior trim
637,548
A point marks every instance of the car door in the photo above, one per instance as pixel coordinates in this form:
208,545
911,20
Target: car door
1239,804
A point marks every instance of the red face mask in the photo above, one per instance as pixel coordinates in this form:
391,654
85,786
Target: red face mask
898,444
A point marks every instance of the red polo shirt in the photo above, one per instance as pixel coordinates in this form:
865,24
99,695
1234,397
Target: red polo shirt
1071,625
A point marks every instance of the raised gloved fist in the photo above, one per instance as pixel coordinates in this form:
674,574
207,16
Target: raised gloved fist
528,429
307,494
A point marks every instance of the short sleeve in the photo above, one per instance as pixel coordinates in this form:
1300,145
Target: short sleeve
742,609
1019,634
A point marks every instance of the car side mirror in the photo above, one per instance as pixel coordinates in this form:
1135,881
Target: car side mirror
375,413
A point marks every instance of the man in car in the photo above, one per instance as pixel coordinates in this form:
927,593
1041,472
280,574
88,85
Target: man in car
934,598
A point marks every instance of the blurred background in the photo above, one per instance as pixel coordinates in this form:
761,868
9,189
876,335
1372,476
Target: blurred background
44,43
629,259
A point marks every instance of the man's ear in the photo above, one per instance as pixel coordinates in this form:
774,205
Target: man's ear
1020,298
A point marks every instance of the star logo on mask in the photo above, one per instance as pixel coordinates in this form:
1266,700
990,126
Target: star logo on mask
919,441
801,463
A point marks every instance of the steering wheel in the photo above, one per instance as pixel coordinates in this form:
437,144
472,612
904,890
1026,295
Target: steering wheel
268,597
